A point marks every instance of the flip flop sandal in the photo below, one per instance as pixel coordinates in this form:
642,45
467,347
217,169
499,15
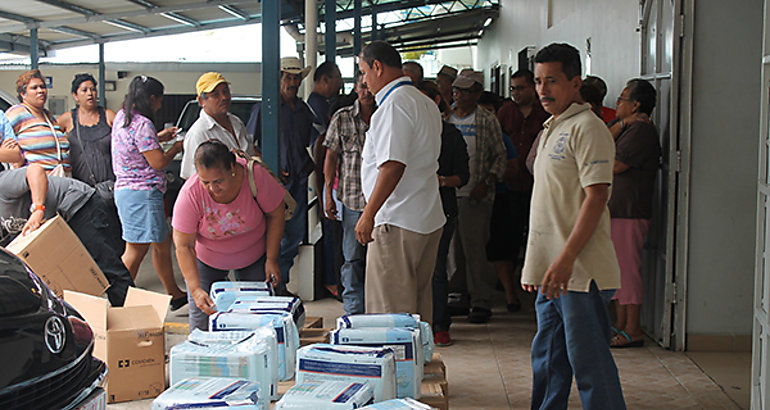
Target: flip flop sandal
617,343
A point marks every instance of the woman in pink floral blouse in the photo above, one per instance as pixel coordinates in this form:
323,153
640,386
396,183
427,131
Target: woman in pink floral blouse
140,182
219,226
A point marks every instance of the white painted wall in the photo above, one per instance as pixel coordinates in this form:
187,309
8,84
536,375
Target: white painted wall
611,24
177,78
726,84
723,185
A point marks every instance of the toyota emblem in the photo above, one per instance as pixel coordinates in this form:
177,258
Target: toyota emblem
55,334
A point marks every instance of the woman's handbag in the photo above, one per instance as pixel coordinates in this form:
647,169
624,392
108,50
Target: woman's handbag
288,200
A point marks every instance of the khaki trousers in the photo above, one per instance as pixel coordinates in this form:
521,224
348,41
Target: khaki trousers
399,271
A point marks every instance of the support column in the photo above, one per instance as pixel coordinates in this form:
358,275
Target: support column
331,30
311,40
356,27
374,24
271,80
102,79
33,48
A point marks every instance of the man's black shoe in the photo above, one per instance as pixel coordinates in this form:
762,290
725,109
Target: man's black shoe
479,315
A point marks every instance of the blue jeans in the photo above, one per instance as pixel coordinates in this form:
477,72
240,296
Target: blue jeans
573,337
352,272
208,275
293,232
441,318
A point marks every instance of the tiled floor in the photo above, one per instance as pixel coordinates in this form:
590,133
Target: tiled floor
488,366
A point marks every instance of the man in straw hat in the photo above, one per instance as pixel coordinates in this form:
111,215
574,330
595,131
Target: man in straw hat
214,122
294,162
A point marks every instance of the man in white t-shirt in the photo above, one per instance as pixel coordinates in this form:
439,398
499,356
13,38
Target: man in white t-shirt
403,217
487,161
215,121
570,258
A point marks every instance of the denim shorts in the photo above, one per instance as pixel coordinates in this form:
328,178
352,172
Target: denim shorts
142,215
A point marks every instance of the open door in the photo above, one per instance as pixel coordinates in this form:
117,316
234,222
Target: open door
663,60
761,333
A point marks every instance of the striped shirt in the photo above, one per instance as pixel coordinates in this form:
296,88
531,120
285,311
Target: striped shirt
37,140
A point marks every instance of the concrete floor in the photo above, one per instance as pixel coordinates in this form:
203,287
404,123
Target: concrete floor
488,366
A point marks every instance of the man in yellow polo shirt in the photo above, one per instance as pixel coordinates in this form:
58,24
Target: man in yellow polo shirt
570,259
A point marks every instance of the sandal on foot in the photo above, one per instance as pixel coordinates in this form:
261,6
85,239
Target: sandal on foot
622,340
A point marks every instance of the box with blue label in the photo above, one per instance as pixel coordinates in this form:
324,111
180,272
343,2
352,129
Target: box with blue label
283,323
244,354
268,304
406,345
212,392
326,395
373,365
224,293
407,320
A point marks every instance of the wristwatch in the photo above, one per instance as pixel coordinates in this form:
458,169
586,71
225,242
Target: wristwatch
36,207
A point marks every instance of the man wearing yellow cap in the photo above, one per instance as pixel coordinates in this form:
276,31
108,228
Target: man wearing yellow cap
215,121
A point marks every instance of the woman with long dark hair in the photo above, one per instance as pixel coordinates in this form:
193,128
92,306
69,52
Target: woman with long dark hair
140,182
89,128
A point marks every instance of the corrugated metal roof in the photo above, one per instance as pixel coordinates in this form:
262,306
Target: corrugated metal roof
70,23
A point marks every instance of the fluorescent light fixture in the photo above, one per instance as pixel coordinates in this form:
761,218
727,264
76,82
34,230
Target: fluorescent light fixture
177,18
233,11
124,26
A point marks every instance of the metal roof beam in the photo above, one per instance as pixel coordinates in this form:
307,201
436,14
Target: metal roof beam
155,33
143,3
12,43
70,7
76,32
17,17
124,15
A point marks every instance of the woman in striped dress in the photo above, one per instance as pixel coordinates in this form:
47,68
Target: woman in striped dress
39,136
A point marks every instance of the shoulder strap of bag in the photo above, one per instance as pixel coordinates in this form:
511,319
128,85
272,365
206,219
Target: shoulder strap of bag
288,200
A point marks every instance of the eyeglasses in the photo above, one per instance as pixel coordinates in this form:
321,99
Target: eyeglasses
622,99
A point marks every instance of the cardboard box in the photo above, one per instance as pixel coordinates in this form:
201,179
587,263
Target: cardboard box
95,401
58,257
129,339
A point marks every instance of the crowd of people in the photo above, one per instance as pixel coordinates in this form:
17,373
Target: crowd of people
425,185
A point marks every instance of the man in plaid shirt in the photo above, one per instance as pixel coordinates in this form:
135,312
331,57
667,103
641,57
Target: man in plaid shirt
344,143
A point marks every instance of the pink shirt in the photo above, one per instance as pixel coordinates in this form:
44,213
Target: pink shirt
228,236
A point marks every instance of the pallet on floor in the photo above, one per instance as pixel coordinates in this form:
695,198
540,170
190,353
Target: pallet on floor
435,390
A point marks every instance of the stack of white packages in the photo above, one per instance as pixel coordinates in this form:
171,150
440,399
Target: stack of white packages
406,344
282,322
272,304
328,395
399,404
212,392
249,355
376,366
223,294
407,320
